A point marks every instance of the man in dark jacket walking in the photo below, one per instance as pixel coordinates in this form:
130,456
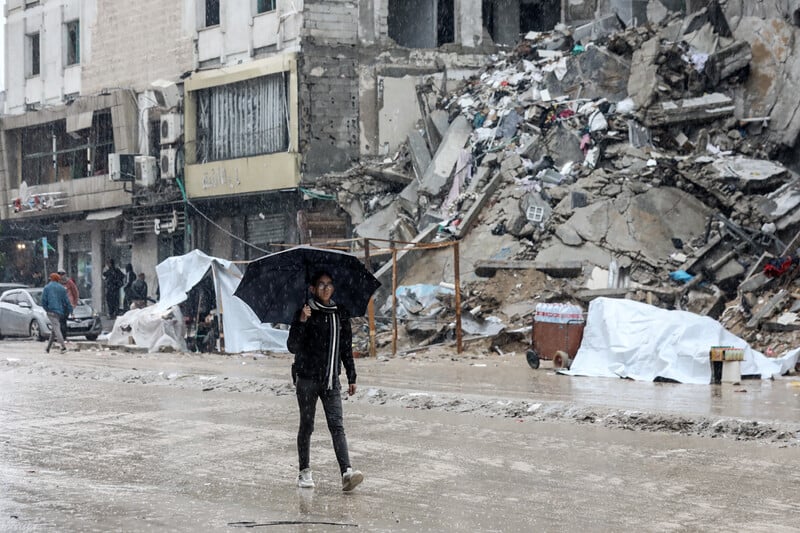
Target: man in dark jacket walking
56,304
321,340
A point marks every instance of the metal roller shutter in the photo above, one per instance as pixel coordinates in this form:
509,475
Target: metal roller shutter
263,231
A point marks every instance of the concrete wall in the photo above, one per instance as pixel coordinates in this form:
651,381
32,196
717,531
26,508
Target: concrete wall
55,79
469,23
331,21
135,43
329,86
243,34
329,108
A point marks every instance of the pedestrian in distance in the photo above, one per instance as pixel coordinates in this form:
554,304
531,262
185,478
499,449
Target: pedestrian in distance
130,279
66,282
320,338
72,289
56,304
113,279
138,292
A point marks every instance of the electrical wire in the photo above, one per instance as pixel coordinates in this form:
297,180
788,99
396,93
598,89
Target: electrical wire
223,230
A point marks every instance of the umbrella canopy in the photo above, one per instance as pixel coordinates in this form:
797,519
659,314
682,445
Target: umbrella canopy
276,286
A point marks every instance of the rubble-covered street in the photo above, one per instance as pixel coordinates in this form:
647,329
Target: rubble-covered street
653,163
102,439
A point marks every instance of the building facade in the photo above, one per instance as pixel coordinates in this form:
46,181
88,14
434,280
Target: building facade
139,130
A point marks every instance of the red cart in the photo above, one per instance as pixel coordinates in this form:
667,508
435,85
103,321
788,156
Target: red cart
556,334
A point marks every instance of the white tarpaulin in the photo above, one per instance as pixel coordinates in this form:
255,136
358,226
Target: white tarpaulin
628,339
242,329
150,327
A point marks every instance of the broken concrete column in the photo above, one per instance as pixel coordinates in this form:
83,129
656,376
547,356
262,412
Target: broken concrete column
437,125
472,213
444,161
420,155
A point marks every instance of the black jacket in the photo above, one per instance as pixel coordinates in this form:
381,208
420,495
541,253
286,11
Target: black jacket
310,343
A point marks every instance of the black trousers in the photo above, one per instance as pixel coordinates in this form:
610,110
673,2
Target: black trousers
308,392
112,302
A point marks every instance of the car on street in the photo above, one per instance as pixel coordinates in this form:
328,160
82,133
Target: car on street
8,286
84,321
22,315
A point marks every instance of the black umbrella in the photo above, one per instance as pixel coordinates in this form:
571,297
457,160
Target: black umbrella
276,286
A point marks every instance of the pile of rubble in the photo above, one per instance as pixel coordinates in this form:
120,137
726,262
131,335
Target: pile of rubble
642,163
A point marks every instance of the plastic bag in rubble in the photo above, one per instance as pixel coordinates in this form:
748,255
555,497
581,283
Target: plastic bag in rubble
592,157
598,122
626,106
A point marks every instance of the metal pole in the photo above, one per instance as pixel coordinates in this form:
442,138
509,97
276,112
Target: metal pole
394,300
457,275
371,306
218,297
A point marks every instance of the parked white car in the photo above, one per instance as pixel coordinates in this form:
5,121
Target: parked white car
22,315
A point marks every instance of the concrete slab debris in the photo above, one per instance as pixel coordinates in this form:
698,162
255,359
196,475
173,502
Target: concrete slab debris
690,110
444,160
420,154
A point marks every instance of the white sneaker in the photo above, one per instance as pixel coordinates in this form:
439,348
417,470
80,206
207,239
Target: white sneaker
304,480
351,479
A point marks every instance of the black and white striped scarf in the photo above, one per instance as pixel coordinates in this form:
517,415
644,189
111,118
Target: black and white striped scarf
333,346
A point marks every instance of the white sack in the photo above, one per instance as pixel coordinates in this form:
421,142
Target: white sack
628,339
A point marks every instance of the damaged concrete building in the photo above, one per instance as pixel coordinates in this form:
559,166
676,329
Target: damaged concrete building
135,131
654,162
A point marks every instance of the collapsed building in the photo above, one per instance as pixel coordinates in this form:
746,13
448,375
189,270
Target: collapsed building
653,162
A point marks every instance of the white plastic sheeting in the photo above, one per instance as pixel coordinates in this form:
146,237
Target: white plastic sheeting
151,327
177,275
628,339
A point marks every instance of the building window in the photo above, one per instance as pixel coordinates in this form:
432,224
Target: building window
50,154
421,23
72,45
243,119
212,13
263,6
32,58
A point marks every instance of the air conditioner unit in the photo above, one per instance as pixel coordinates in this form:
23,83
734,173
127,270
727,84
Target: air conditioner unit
171,127
121,167
145,170
169,163
167,93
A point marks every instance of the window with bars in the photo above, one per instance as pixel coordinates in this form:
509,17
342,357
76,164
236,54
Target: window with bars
32,56
243,119
72,42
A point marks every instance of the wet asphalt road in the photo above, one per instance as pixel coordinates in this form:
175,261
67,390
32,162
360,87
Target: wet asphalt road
108,441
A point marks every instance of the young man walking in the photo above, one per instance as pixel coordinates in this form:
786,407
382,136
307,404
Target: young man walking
321,340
